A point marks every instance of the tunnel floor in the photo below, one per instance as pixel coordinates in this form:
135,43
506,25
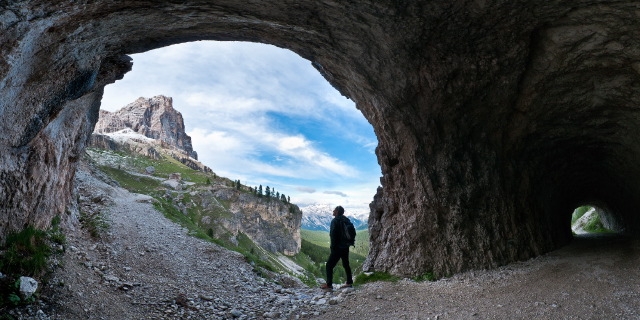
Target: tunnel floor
597,276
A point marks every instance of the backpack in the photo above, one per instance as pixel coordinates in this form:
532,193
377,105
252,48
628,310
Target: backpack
348,232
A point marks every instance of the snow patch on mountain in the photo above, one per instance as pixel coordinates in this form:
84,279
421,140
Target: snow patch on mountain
127,134
318,217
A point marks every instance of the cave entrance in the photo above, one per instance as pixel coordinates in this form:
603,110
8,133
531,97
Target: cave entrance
263,117
591,220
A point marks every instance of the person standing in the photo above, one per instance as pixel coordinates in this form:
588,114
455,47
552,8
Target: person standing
339,249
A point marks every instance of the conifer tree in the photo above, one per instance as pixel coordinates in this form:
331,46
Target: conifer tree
267,192
260,191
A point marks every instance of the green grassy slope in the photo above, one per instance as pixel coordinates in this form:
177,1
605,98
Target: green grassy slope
315,244
125,168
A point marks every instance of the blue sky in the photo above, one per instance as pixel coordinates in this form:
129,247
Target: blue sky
263,115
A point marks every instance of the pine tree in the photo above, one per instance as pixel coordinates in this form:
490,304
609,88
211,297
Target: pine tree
267,192
260,191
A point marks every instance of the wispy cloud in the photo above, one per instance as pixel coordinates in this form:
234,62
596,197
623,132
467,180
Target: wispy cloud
342,194
306,189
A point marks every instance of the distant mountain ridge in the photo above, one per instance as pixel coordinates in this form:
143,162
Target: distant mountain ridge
318,217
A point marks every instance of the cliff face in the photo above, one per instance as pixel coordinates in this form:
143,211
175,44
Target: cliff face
154,118
495,119
272,224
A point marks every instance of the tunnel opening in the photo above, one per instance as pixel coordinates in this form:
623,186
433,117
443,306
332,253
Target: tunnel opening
589,220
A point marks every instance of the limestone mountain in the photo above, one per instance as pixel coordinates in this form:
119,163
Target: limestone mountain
144,127
154,118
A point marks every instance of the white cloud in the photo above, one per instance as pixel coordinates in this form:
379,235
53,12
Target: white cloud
306,189
342,194
240,149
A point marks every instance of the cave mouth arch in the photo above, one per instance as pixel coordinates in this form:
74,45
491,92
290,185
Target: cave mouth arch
322,116
464,131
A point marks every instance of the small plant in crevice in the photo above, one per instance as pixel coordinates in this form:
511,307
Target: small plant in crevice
95,223
55,234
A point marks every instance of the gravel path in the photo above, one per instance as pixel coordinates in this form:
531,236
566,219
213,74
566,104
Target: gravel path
147,267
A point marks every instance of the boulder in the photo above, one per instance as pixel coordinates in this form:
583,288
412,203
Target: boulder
28,287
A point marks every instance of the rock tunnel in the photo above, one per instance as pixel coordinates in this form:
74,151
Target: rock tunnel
495,119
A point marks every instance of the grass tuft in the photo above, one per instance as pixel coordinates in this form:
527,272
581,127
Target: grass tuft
26,253
366,277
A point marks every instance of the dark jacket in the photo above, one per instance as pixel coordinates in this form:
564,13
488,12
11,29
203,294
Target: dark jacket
336,232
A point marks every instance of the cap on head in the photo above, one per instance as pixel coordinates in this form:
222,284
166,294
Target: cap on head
340,210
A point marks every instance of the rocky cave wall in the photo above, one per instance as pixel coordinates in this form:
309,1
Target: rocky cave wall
495,119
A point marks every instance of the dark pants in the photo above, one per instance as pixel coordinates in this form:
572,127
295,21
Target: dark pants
337,254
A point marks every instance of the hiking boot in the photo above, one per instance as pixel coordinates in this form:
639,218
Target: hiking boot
326,288
348,285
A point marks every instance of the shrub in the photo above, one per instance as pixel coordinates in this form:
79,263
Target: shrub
25,253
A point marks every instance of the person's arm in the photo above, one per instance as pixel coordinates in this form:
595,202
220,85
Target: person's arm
333,234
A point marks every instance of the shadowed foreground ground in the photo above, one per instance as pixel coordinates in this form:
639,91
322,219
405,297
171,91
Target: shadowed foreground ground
595,277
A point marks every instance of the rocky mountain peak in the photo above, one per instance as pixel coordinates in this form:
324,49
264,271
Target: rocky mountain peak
154,118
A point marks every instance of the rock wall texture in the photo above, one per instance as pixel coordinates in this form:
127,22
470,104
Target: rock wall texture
154,118
272,224
495,119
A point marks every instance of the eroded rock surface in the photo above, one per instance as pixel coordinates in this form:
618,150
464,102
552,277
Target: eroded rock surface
495,119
